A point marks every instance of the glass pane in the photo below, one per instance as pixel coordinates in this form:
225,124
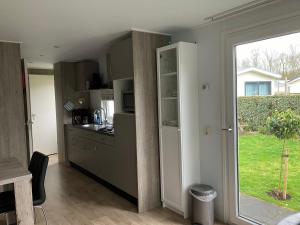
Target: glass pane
109,107
169,87
264,88
168,61
251,89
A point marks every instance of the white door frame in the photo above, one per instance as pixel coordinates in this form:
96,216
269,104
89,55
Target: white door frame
275,27
28,120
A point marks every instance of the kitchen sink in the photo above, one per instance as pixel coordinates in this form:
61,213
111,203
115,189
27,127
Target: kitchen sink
95,127
105,129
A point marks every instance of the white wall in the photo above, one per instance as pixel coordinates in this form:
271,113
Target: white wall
252,77
42,97
210,71
295,87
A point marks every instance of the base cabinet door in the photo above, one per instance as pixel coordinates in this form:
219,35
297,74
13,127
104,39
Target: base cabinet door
72,147
104,162
77,151
171,167
125,135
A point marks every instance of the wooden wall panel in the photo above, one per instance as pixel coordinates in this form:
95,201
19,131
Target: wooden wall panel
145,85
12,118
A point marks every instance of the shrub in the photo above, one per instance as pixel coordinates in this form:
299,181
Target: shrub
284,125
254,111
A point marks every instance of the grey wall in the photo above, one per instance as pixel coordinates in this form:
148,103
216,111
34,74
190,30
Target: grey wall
210,71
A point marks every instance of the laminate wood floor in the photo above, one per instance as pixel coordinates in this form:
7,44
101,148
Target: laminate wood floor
75,199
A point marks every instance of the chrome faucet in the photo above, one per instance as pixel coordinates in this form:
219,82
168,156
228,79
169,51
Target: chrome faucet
104,121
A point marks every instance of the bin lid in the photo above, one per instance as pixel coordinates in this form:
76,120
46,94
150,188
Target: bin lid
202,190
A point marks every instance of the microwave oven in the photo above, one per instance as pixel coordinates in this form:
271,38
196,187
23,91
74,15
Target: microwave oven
128,104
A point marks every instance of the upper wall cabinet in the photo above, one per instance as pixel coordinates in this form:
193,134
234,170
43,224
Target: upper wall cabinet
84,73
120,59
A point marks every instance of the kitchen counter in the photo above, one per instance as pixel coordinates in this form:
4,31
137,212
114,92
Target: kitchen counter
101,129
87,138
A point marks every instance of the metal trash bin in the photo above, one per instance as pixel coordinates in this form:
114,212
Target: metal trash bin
203,204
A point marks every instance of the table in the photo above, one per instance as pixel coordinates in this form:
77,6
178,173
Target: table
12,172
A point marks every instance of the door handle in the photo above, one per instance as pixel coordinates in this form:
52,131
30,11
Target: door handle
229,129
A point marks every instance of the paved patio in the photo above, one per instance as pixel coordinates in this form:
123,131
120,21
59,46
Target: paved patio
261,211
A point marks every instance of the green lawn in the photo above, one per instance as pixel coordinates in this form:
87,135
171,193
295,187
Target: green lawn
259,165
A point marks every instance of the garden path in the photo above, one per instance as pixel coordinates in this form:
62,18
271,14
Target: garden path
262,211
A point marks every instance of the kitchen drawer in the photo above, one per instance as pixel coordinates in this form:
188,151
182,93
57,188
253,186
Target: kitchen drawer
108,140
98,137
92,135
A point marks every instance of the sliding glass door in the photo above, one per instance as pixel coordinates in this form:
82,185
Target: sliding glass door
260,101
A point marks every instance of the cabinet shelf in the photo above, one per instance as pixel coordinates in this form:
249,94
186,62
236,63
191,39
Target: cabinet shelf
169,74
169,125
169,98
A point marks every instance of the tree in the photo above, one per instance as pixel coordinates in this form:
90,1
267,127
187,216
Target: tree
285,63
255,58
269,59
284,125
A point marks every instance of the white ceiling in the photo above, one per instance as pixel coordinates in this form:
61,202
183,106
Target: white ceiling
82,28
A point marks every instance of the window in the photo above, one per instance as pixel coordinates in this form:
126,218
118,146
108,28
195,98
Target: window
259,88
108,106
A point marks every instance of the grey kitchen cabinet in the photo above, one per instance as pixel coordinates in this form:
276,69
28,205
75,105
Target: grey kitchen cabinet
13,132
92,151
134,57
102,156
120,59
125,144
84,72
105,162
64,81
76,148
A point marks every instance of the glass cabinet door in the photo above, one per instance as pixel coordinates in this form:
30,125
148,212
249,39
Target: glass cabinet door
169,87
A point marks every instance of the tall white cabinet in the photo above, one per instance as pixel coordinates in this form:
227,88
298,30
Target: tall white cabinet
178,98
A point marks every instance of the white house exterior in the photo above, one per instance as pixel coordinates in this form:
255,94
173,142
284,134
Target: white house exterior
257,82
294,86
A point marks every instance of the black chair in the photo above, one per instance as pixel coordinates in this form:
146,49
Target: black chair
38,167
